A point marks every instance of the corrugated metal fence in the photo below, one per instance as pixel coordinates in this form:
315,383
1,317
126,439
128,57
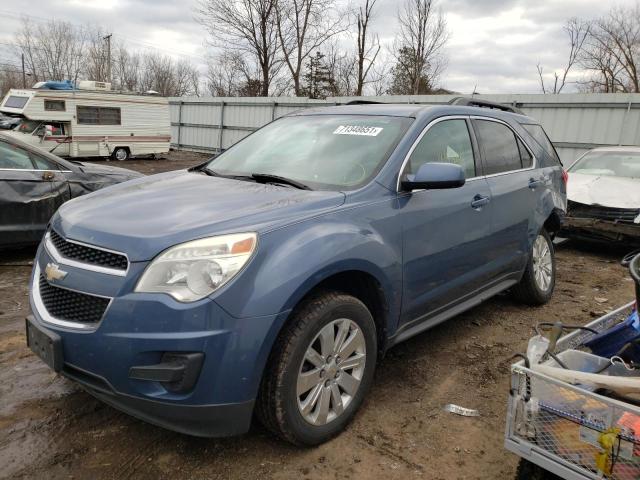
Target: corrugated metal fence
575,122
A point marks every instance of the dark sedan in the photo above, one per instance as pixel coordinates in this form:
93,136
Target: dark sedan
34,183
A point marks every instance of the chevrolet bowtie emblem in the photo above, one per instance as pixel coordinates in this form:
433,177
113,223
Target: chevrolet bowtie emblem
52,272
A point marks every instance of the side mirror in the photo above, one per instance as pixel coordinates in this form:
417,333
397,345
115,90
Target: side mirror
434,176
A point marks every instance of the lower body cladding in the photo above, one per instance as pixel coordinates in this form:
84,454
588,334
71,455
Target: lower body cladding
192,368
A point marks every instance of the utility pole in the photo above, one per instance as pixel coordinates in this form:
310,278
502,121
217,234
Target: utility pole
24,77
108,39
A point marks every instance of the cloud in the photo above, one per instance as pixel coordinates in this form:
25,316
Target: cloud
495,45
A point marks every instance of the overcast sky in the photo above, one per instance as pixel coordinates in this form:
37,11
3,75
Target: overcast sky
494,44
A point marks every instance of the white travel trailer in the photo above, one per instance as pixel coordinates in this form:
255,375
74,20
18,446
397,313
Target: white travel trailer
90,121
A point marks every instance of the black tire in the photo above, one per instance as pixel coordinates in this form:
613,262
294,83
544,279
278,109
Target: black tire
527,290
277,404
120,153
531,471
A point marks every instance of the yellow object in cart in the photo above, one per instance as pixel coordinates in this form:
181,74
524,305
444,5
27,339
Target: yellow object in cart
608,441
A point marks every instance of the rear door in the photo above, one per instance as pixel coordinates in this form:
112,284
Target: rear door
515,185
445,232
28,196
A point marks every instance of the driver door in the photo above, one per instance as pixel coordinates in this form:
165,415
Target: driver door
446,233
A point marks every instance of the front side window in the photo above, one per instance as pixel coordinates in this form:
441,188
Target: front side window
28,126
324,152
43,164
14,158
98,115
499,146
54,105
611,164
447,141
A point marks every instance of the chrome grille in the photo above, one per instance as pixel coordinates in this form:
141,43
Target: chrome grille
85,254
71,306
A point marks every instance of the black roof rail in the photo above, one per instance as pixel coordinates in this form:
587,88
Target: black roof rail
363,102
476,102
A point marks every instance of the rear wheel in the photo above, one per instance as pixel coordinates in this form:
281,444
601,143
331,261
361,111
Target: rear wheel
539,278
320,370
120,153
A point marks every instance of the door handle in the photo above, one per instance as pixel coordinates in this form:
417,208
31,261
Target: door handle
533,183
48,175
479,201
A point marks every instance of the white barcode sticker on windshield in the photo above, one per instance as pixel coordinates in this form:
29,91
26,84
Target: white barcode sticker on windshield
358,130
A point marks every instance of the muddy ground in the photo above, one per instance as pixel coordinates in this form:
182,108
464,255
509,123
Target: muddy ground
49,428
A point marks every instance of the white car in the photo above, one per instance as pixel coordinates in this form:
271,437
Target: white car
603,195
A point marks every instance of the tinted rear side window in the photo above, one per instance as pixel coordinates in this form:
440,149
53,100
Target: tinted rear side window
539,135
500,151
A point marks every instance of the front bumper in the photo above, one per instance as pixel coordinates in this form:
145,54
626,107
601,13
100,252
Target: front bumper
600,230
139,330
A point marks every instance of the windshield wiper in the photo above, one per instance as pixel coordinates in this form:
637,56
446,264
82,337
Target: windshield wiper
208,171
266,177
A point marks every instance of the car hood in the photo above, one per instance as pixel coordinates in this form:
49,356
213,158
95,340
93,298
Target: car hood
606,191
147,215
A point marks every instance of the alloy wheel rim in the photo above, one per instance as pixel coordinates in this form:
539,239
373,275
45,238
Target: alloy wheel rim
542,263
331,372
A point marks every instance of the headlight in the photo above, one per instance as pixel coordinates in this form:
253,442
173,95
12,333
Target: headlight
191,271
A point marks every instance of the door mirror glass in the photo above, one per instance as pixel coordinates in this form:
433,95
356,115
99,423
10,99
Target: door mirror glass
434,176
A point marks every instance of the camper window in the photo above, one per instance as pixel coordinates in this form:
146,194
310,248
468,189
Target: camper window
98,115
16,102
54,105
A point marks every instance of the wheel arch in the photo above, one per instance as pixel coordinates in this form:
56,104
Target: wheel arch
359,283
553,223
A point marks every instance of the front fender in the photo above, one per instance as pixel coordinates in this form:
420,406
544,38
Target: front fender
292,260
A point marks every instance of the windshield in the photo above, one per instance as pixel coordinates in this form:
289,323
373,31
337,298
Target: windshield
613,164
27,126
324,152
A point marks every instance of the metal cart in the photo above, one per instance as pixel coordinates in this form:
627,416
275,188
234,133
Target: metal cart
558,427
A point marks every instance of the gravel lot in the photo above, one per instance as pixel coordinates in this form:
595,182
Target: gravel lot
49,428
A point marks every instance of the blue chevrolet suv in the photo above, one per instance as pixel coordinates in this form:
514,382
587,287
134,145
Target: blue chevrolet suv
271,279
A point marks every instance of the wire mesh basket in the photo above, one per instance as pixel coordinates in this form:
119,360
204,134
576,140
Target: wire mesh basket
570,430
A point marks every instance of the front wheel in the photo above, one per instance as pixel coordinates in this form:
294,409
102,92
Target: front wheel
320,370
539,278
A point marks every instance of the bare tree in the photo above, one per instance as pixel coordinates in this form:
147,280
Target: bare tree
577,31
126,69
419,47
343,69
96,63
229,75
304,26
169,78
53,51
247,26
10,77
618,38
368,48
